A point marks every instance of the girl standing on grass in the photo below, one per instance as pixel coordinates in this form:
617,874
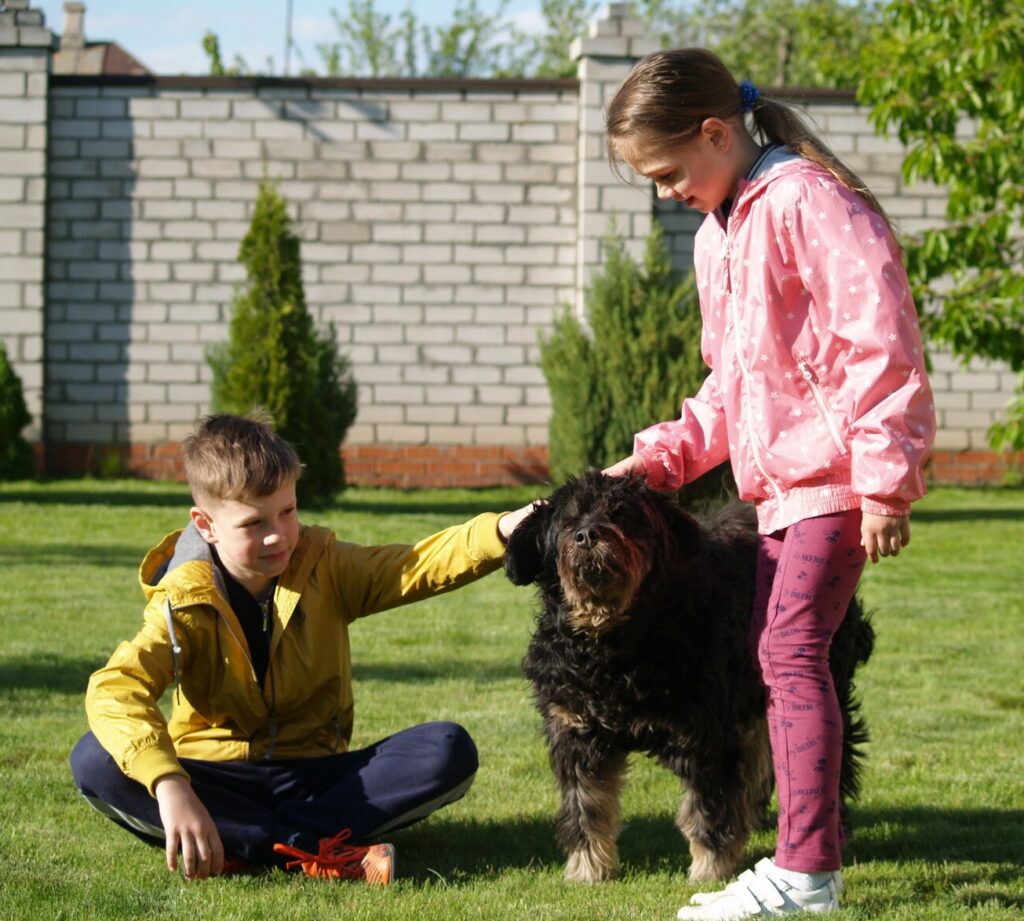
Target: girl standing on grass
817,394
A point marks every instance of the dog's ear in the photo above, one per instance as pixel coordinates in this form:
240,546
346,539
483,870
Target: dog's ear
524,553
685,531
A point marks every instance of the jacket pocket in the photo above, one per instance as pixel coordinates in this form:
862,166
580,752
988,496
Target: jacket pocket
823,407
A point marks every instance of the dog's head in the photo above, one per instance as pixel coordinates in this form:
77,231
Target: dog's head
596,540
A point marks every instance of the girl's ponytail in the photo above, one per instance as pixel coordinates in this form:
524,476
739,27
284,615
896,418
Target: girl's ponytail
776,122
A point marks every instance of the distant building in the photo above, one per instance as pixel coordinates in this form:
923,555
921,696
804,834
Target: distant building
75,55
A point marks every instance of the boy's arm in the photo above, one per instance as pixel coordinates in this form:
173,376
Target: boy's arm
122,701
371,579
189,828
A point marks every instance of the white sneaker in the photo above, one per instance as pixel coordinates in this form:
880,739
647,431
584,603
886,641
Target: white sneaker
764,891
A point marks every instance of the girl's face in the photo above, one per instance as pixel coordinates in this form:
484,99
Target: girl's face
701,172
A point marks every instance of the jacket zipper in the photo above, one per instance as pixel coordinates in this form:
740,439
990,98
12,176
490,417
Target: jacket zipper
746,384
823,407
265,607
271,704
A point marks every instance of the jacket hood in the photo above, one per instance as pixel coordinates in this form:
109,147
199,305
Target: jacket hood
181,558
774,164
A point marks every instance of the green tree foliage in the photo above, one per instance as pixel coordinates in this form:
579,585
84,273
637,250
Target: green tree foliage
950,77
371,43
211,48
631,368
276,358
812,43
16,458
547,53
809,43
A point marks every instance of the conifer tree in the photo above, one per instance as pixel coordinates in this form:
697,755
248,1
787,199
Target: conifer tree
275,358
631,368
16,460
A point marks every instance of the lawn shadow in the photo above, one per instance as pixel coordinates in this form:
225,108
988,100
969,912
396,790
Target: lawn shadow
126,497
459,509
63,556
937,834
968,514
435,670
46,672
462,849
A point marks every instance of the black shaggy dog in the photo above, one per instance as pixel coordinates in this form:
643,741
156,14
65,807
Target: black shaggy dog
642,644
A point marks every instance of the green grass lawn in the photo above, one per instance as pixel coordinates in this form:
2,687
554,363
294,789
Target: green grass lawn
940,824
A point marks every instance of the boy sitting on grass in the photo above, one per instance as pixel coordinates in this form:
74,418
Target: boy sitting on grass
248,611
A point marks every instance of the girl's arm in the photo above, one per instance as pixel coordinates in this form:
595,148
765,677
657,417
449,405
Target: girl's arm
671,454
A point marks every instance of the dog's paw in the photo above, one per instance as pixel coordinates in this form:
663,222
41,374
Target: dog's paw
588,866
707,865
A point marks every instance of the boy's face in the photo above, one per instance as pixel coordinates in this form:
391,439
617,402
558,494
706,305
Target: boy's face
254,537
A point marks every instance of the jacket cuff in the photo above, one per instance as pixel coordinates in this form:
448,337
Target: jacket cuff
893,508
486,542
653,467
150,764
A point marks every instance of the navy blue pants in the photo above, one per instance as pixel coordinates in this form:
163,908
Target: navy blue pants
372,791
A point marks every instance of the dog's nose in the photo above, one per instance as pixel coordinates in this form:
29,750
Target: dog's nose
586,537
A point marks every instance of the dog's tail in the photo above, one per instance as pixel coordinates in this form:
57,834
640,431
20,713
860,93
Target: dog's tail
852,647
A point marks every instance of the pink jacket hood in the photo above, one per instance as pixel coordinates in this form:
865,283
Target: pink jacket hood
817,392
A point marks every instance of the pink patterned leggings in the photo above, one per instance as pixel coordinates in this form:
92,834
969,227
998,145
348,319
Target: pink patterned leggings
806,576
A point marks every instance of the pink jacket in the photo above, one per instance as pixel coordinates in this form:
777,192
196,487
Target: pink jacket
818,391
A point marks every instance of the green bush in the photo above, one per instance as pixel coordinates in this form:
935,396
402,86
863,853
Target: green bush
275,358
631,368
16,459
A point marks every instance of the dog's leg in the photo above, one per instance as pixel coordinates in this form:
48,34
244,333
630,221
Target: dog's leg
722,805
590,774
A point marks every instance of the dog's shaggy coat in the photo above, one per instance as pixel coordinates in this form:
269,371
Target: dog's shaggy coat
642,644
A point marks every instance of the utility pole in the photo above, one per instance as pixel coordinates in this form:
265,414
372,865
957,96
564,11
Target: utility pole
288,38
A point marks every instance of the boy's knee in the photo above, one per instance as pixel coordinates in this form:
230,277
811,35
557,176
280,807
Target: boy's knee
456,750
88,760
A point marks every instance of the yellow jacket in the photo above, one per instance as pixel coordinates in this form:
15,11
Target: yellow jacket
304,708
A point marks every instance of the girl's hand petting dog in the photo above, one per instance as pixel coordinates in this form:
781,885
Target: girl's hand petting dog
626,466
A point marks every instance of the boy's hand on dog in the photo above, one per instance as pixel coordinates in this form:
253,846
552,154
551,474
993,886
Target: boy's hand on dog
188,827
884,535
508,523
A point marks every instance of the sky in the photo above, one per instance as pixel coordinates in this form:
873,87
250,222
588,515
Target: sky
166,35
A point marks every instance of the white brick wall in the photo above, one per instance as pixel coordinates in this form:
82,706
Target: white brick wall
24,58
430,257
442,230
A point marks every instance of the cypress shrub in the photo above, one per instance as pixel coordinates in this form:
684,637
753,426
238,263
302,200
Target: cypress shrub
632,368
16,459
276,359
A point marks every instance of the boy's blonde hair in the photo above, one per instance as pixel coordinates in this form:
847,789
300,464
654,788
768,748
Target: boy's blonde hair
668,95
238,457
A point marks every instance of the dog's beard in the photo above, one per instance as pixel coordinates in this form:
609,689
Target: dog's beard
600,582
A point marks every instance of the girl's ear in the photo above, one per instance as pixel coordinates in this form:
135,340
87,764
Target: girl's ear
203,523
717,133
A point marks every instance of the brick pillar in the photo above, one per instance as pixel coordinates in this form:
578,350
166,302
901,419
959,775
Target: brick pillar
25,55
615,41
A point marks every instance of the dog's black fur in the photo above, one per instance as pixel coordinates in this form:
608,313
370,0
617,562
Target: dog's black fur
642,644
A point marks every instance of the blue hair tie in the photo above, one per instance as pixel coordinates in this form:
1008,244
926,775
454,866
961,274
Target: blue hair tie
749,94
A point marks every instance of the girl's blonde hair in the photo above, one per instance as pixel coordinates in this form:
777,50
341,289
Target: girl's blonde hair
237,458
668,95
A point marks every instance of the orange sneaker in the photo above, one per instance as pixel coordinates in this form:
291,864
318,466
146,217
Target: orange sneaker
338,860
